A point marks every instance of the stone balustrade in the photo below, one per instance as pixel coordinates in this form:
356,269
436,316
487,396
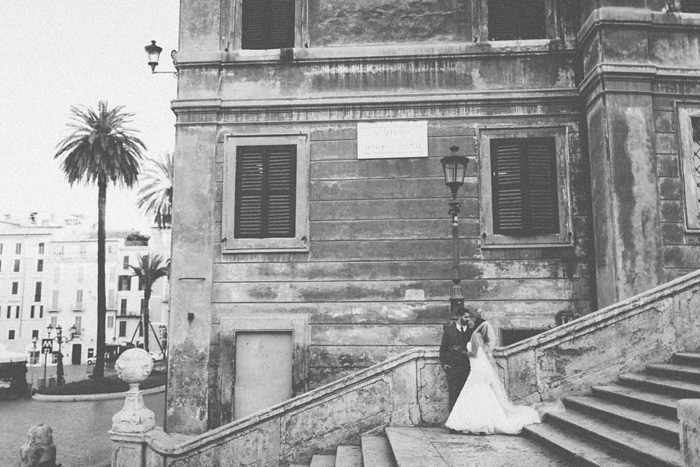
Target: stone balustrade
410,389
595,348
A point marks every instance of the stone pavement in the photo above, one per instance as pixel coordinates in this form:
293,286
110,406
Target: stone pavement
436,447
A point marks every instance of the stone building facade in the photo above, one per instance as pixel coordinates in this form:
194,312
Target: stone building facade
311,236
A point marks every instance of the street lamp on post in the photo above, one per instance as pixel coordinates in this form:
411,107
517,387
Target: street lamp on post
454,168
60,339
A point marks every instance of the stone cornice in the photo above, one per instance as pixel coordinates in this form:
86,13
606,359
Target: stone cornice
445,105
620,16
370,53
597,81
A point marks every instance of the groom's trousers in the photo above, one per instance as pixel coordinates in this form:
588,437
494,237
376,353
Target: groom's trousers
456,377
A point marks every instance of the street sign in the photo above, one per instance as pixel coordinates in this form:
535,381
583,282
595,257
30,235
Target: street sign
46,345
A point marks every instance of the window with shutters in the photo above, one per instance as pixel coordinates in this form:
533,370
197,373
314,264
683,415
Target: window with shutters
267,24
265,194
516,19
265,191
524,186
689,133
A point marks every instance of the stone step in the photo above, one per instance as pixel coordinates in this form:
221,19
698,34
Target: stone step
299,465
633,445
651,402
574,447
323,460
686,358
376,452
654,425
677,372
348,456
680,389
412,448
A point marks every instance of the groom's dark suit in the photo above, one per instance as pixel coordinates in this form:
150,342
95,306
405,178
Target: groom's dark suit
453,352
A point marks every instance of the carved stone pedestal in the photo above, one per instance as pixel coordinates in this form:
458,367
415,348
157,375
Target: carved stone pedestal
130,425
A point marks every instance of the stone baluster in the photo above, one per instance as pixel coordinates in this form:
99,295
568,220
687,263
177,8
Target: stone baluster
130,425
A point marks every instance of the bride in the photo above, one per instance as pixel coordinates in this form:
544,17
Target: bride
483,406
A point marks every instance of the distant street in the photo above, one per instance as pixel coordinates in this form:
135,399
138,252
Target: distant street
79,428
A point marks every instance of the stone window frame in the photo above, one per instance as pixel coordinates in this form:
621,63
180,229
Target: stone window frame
480,21
300,28
298,243
564,238
686,111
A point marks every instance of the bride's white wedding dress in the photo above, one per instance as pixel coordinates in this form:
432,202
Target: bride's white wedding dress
483,406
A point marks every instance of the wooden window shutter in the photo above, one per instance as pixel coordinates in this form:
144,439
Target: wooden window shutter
524,185
265,191
516,19
507,186
542,186
281,24
268,24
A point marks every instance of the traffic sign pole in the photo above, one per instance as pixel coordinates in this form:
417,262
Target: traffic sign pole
46,347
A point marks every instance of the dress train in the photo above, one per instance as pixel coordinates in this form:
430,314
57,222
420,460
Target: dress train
483,406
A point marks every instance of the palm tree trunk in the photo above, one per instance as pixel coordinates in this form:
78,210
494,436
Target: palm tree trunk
146,324
99,370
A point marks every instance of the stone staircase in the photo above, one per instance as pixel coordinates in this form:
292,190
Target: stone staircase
631,423
375,451
436,447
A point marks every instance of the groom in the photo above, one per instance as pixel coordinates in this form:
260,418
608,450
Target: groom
453,351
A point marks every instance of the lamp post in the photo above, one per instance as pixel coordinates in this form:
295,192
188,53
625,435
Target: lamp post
153,51
60,339
34,355
454,168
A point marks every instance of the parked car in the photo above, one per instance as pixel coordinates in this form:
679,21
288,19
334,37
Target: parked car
156,356
91,360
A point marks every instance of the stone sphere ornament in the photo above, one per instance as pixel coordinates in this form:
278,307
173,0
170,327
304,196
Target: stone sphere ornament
134,366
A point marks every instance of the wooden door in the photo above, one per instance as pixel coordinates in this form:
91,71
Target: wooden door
76,355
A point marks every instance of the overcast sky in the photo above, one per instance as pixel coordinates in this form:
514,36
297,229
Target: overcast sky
58,54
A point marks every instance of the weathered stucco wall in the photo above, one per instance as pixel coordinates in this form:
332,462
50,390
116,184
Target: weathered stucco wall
375,281
634,78
338,22
597,347
189,340
376,277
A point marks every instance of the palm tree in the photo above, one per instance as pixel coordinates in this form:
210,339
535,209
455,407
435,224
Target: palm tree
156,193
149,271
100,149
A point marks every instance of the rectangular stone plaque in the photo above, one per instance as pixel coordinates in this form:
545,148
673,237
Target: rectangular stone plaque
392,140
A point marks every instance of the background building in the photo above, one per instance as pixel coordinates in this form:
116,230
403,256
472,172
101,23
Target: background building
48,276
